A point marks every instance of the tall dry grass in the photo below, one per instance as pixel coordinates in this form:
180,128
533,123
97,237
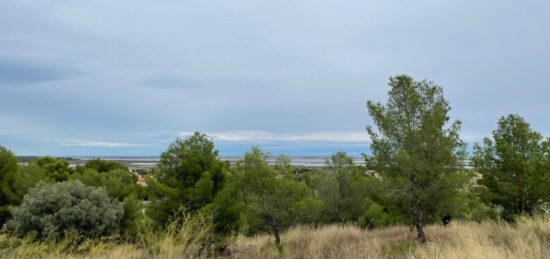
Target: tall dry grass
192,237
528,238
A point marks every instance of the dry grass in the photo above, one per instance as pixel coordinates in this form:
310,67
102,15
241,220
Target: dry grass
192,238
334,241
529,238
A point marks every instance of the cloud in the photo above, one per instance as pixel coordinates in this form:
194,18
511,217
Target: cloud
267,137
168,82
21,73
94,143
220,66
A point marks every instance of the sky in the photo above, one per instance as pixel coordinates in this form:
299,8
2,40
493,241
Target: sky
126,78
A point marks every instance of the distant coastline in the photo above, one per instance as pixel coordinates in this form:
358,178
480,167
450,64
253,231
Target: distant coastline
148,162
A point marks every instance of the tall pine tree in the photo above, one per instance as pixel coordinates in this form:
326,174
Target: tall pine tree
415,150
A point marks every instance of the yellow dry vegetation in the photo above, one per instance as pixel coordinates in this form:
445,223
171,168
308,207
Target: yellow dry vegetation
528,238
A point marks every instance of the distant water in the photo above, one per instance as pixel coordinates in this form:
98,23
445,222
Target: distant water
147,162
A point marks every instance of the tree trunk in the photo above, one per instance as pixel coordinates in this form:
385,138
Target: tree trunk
277,234
417,221
420,230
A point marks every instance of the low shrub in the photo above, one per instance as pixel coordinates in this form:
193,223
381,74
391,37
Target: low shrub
52,210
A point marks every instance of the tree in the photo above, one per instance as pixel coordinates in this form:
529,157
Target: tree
8,165
55,209
118,183
189,175
514,166
228,205
17,183
272,199
413,150
57,169
342,186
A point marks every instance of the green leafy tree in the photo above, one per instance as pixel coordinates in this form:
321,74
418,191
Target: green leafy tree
51,210
8,166
414,151
189,176
514,166
273,201
57,169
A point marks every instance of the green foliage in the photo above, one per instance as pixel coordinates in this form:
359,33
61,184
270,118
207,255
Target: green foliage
273,201
8,165
118,183
103,166
55,209
415,176
378,216
515,166
121,185
413,150
56,169
133,218
17,183
342,187
226,208
470,205
189,176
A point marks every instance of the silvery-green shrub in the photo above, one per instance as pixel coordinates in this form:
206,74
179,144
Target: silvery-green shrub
51,210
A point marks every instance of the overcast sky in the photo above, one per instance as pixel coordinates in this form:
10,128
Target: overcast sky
128,77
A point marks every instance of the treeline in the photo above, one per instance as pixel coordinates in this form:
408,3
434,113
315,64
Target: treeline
415,176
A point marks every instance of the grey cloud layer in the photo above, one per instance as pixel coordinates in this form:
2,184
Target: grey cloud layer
118,71
18,73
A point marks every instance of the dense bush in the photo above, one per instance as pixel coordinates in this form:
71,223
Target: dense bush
120,185
52,210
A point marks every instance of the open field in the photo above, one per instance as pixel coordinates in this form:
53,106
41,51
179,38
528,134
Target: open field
529,238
